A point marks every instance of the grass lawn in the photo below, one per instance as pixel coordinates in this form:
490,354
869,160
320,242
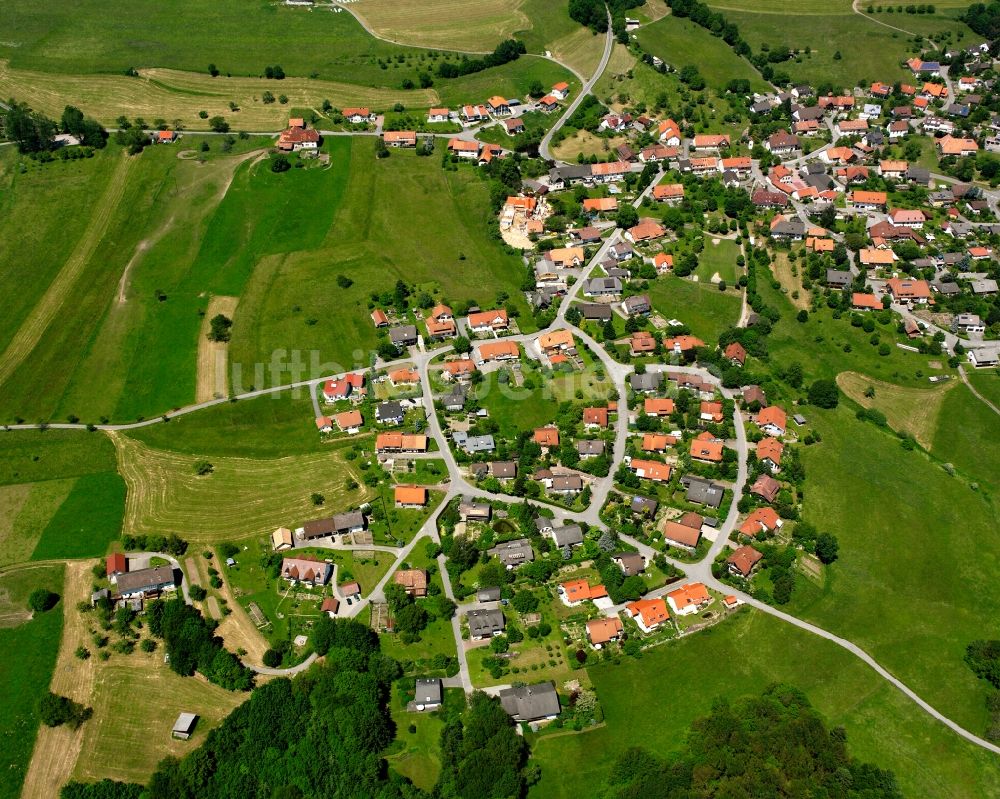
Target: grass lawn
416,755
426,471
25,676
719,259
517,408
241,498
652,702
701,306
986,382
679,42
121,744
914,581
438,235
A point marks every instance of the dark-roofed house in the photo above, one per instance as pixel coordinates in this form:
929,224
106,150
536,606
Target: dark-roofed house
390,412
403,336
838,279
596,312
566,484
471,511
491,594
352,522
513,553
644,383
504,470
569,535
531,702
629,562
317,528
427,694
146,581
765,487
702,491
485,623
637,305
644,506
590,449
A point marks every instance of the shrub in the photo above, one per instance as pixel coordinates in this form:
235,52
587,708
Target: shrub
55,710
42,600
272,658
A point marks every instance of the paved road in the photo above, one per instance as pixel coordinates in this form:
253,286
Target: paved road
609,41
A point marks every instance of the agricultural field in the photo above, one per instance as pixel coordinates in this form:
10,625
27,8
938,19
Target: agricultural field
751,651
701,306
914,537
241,498
679,42
61,495
122,744
24,679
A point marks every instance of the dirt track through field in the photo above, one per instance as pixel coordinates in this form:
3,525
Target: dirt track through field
34,327
213,356
57,748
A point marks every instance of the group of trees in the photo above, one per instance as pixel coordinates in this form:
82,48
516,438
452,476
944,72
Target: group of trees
594,15
482,756
55,710
172,544
192,645
984,19
34,133
222,324
505,52
774,745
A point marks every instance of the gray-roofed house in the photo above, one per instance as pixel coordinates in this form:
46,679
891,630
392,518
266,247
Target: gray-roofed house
637,305
403,336
918,174
645,383
390,412
568,535
455,401
968,323
984,286
146,581
789,229
570,174
590,449
427,694
352,522
531,702
838,278
702,491
596,312
513,553
485,623
602,287
489,594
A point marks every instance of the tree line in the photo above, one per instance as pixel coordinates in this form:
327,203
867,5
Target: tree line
33,132
505,52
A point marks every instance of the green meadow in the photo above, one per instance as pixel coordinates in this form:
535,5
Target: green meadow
652,701
30,646
701,306
61,494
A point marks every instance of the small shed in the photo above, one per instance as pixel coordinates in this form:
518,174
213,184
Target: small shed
184,726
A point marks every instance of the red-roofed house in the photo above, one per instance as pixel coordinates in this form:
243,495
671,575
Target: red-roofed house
688,599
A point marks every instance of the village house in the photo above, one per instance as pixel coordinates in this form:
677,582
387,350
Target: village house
765,487
308,570
349,386
688,599
761,520
651,470
513,553
743,561
706,448
769,451
498,351
410,496
531,703
906,291
576,592
684,532
772,420
413,581
603,631
648,614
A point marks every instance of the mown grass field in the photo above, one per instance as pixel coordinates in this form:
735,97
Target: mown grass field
122,744
517,408
31,646
909,410
268,426
915,579
401,217
243,497
986,383
718,259
60,493
679,42
652,702
701,306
